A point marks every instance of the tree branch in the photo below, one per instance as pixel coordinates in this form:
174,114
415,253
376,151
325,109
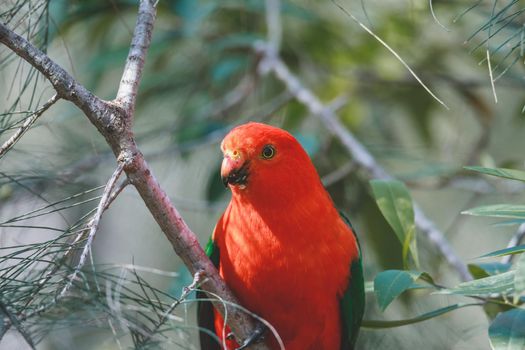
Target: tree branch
186,245
272,63
129,83
99,112
26,125
113,119
107,197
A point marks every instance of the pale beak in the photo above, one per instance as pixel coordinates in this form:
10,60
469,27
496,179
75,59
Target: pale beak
234,169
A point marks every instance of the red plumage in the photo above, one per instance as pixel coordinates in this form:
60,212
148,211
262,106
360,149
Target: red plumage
284,250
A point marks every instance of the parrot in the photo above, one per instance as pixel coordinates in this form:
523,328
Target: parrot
283,248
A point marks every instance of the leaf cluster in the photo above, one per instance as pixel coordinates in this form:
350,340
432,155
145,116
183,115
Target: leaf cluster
498,287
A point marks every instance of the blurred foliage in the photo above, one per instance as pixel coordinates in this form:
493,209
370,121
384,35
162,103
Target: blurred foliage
493,283
200,80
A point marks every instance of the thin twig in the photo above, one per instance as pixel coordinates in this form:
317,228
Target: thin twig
114,121
93,225
65,85
99,291
129,83
492,86
274,26
393,52
187,246
235,96
272,63
26,125
514,241
431,5
338,174
214,298
198,278
82,234
14,321
364,159
114,194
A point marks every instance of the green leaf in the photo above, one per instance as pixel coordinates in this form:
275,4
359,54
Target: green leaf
511,222
389,284
499,172
477,272
500,284
488,269
420,318
507,251
395,203
507,331
519,279
499,210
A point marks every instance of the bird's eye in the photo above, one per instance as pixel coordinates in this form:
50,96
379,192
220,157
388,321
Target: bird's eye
268,152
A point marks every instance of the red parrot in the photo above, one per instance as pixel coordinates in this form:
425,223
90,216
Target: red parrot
282,247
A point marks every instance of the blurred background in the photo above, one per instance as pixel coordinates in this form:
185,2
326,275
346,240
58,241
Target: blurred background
201,79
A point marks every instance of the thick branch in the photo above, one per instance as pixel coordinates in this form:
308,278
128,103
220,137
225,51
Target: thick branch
129,83
113,120
99,112
186,244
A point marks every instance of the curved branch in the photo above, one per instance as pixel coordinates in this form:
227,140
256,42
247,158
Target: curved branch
66,86
92,227
113,119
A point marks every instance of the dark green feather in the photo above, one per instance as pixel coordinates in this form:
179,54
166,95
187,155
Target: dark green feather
205,315
353,303
212,251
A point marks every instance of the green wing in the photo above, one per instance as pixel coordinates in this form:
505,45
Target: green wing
353,303
205,315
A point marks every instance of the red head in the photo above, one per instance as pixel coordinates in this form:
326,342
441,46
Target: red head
266,163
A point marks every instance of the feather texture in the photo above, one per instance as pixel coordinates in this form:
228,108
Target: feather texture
285,251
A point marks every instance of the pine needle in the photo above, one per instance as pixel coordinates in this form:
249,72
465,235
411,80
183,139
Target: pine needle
393,52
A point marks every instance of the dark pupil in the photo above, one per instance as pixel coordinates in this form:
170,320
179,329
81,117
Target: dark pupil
268,152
